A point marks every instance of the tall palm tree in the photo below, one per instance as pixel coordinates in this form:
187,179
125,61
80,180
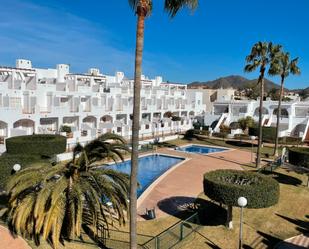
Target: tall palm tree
54,202
282,66
262,54
142,9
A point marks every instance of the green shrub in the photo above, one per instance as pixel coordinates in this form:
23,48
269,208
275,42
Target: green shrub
290,140
201,132
242,136
226,186
176,118
225,129
66,128
220,134
245,123
7,162
36,144
197,126
204,132
189,135
269,133
299,156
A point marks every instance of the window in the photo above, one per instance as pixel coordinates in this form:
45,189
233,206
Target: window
15,102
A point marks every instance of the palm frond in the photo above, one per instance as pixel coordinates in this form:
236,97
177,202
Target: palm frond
43,198
173,6
294,69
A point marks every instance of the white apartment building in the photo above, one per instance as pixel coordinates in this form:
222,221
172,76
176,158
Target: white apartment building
294,119
212,95
40,101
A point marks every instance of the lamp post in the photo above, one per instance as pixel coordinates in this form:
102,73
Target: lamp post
242,202
252,139
16,168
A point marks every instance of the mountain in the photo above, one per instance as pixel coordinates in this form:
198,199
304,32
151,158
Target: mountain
232,81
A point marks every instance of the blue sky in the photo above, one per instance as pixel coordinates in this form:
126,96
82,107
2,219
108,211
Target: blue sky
204,45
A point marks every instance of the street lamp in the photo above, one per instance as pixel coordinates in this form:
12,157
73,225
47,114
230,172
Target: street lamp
16,168
252,139
242,202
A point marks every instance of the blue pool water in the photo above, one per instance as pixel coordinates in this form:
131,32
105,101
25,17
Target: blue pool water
150,168
200,149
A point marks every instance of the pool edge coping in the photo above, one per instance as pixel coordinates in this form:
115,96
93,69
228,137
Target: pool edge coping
227,149
147,191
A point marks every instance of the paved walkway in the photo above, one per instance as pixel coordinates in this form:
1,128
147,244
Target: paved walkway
7,241
297,242
184,183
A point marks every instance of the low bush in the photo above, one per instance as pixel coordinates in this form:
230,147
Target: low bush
225,129
220,134
226,186
290,140
197,126
204,132
189,135
176,118
201,132
65,128
299,156
242,136
269,133
36,144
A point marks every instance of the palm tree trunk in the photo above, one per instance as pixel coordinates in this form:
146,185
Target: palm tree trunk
278,116
135,126
261,82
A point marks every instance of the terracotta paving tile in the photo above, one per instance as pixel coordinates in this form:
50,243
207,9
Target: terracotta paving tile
9,242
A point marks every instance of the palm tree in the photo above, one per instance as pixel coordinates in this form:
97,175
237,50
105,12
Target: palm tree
142,9
245,123
282,66
54,202
262,54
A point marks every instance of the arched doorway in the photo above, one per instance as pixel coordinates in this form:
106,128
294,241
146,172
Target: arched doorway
24,125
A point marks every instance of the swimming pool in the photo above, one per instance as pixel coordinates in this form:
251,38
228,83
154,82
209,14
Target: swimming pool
150,168
200,149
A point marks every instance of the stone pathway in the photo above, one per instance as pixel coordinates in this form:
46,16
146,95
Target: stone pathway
7,241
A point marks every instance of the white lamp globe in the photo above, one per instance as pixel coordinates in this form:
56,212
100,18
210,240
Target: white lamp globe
17,167
242,201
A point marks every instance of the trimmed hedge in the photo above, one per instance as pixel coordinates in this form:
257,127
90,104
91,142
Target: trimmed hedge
36,144
290,140
242,136
226,186
269,133
189,135
220,134
299,156
7,162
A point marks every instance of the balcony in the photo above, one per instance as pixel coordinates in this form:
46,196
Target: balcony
29,110
45,109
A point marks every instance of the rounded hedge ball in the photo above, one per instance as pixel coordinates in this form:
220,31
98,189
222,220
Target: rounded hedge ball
226,186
